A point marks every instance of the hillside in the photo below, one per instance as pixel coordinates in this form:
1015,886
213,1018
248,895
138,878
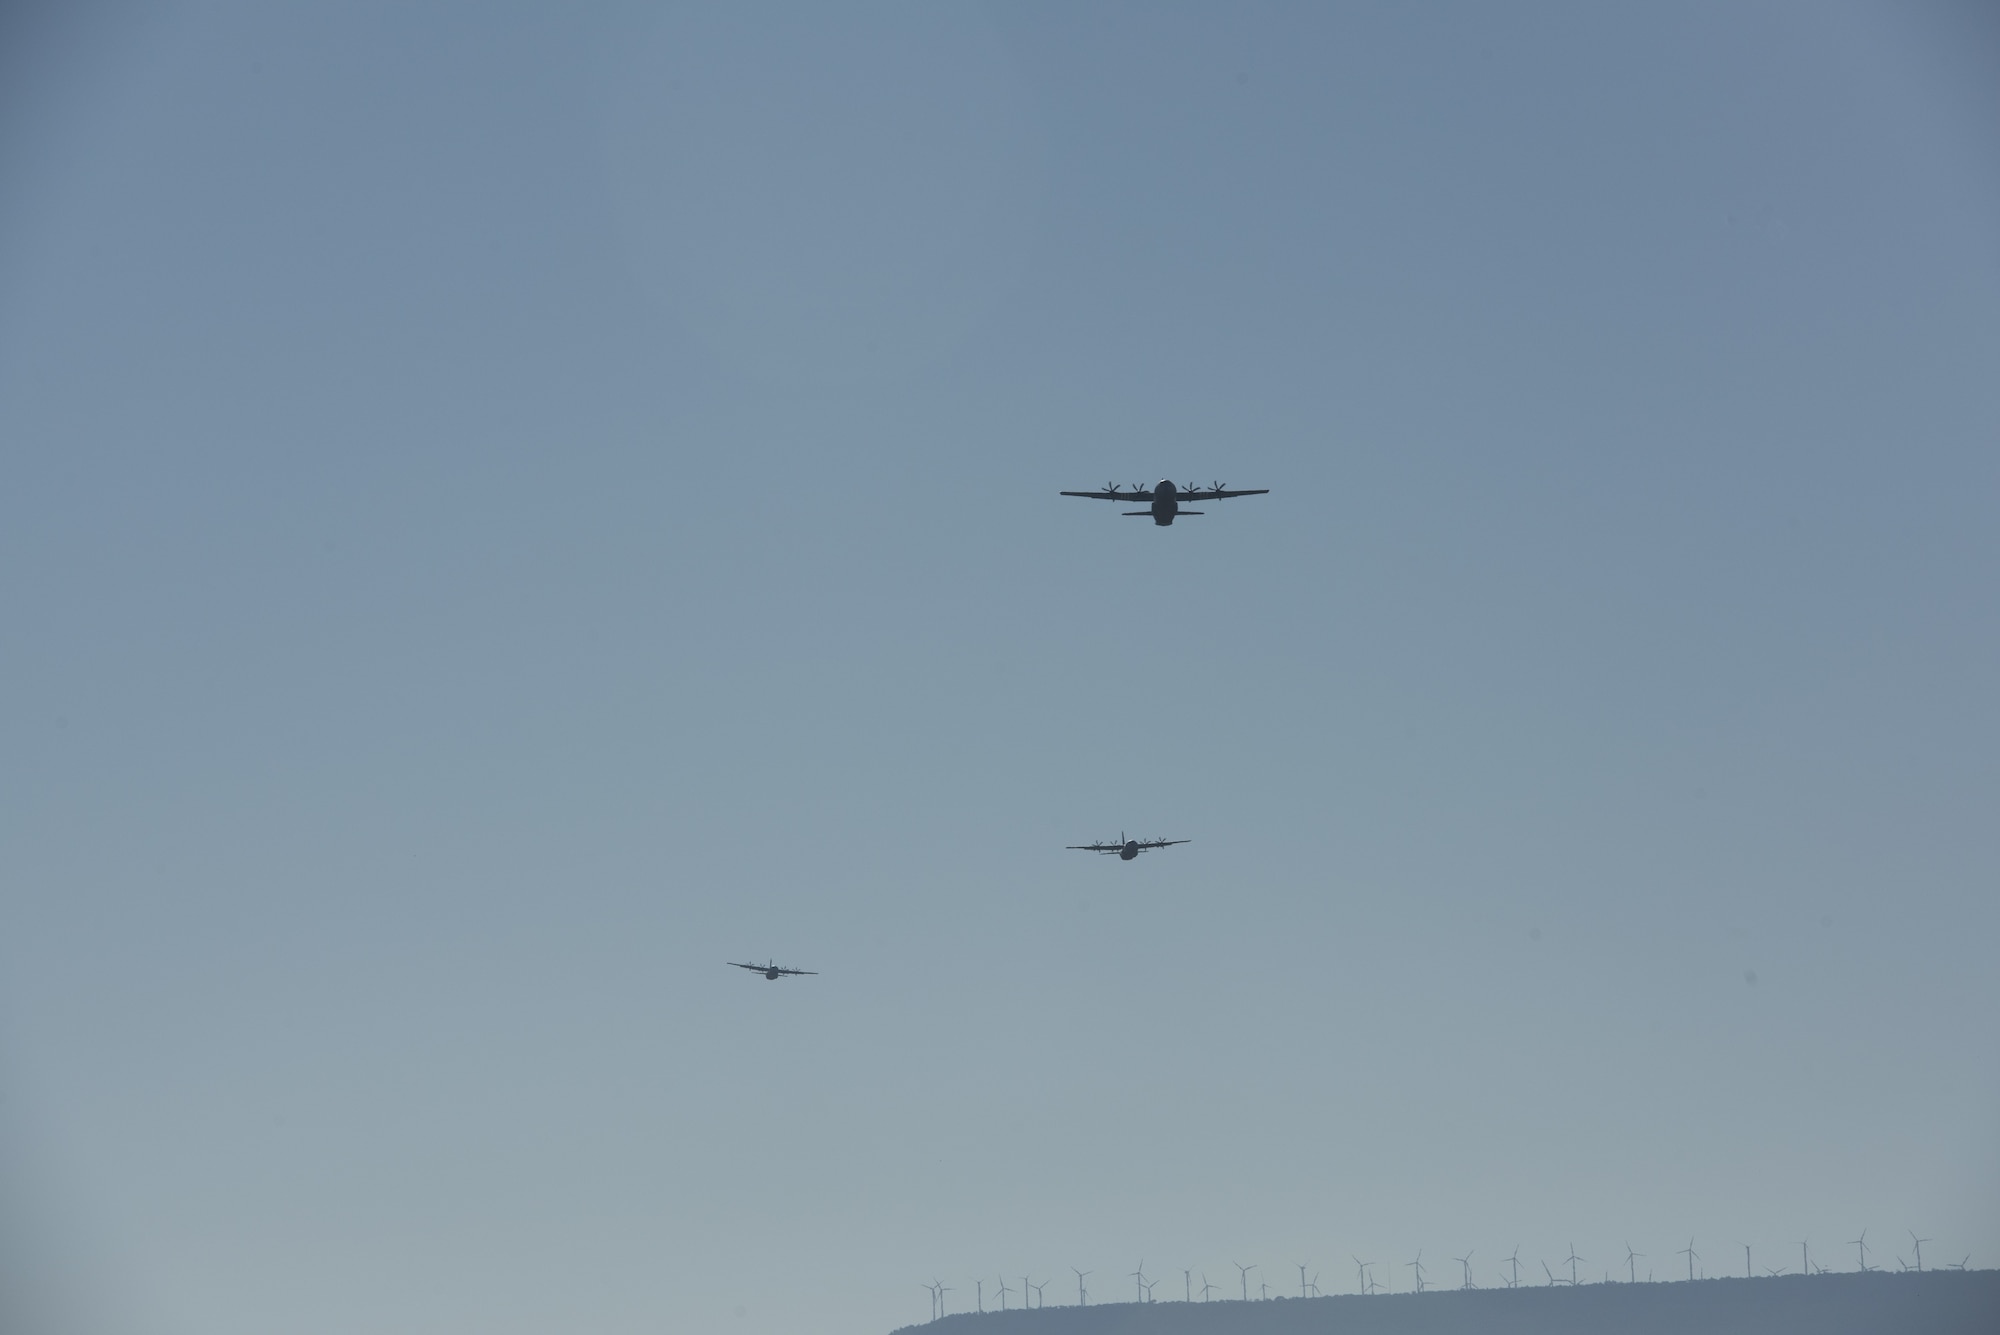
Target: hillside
1944,1302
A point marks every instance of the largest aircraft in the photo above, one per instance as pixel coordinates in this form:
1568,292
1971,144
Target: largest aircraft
1163,500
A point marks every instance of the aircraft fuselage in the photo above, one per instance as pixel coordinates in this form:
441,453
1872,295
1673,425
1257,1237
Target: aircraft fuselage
1166,504
1131,849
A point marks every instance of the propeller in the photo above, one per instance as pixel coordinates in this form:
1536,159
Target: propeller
1138,486
1216,486
1191,487
1111,486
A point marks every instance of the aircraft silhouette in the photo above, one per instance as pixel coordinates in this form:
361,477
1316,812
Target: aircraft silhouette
1163,502
772,972
1127,849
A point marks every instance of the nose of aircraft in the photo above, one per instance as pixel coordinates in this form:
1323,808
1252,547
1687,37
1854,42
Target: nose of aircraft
1165,486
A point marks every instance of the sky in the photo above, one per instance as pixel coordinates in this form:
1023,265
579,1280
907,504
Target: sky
507,508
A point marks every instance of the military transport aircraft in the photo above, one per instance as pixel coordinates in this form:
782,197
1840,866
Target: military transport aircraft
772,972
1163,502
1127,849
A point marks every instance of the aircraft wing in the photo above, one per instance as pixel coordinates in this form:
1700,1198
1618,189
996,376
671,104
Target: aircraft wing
1162,843
1211,494
1095,848
800,973
1127,496
754,968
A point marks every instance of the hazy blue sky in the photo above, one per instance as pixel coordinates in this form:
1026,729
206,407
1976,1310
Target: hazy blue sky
507,507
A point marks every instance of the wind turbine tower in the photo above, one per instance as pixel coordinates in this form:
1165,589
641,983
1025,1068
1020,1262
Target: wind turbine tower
1465,1264
1573,1259
1861,1243
1631,1270
1692,1256
1920,1249
1082,1294
1243,1273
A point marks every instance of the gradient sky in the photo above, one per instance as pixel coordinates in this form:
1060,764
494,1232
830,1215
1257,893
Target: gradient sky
507,507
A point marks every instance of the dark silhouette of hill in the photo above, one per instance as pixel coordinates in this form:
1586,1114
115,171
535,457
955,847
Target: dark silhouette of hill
1938,1302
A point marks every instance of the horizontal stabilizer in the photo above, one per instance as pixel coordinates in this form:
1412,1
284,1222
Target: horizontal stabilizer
1139,512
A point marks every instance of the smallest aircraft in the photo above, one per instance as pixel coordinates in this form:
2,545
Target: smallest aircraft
772,973
1127,849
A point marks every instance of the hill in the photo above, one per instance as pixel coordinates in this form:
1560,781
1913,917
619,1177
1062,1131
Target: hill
1940,1302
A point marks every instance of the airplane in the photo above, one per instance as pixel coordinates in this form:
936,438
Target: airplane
1163,502
772,972
1127,849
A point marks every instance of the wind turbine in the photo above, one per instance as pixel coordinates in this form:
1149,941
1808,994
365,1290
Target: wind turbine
1187,1283
1263,1290
942,1291
1573,1259
1692,1256
1775,1270
1515,1261
937,1298
1361,1272
979,1290
1038,1293
1140,1275
1920,1249
1004,1291
1748,1273
1313,1284
1205,1286
1082,1294
1631,1270
1960,1265
1861,1243
1244,1275
1805,1258
1148,1284
1418,1266
1465,1264
1550,1273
